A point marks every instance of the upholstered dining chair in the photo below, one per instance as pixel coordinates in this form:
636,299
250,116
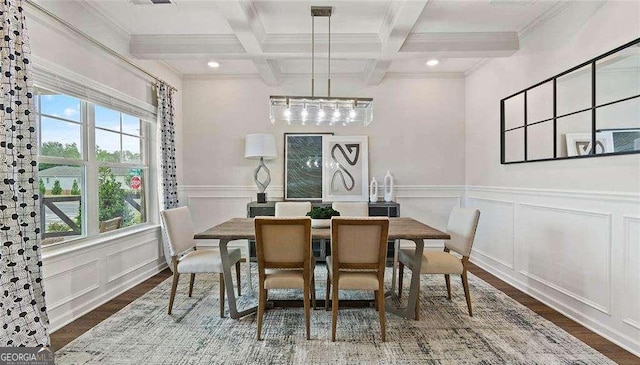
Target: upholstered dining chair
351,209
283,248
462,229
292,209
357,262
185,259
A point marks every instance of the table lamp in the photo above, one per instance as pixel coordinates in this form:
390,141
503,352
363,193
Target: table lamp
260,146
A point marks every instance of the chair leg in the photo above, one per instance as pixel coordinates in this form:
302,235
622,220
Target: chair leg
465,285
262,303
307,313
174,287
334,306
400,275
313,292
191,280
221,296
383,326
326,298
447,280
238,278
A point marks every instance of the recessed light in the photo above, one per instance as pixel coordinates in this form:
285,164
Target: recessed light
213,64
432,63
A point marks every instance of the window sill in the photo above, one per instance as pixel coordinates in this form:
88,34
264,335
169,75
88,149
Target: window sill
65,248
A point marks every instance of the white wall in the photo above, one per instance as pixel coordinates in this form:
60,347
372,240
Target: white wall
417,133
565,232
80,275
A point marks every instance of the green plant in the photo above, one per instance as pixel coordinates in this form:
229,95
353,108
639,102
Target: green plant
75,190
323,213
111,198
56,189
58,227
41,187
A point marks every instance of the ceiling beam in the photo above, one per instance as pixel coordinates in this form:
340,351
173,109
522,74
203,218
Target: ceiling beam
244,20
400,18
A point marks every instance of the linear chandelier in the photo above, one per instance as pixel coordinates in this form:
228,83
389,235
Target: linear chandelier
321,110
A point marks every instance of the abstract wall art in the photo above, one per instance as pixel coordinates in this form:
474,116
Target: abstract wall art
346,168
303,166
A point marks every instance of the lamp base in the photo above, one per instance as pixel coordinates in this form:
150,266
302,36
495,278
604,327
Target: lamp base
262,197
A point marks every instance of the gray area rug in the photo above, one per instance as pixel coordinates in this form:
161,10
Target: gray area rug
502,331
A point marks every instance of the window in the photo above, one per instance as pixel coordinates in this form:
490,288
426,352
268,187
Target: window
93,167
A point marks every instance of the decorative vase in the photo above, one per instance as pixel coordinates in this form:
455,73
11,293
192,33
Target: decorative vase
388,187
320,223
373,190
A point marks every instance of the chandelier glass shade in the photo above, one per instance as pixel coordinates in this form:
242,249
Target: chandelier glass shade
307,110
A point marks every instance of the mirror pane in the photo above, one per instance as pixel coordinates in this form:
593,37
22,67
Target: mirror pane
514,111
574,135
574,91
619,126
618,75
514,145
540,141
540,103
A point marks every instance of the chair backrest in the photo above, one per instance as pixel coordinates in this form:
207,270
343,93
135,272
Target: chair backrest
462,229
179,230
351,209
292,209
359,243
110,224
283,243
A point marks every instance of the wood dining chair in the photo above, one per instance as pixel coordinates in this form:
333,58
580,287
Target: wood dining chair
283,248
357,262
462,226
351,209
185,259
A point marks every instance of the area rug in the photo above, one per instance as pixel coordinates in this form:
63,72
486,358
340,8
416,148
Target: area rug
502,331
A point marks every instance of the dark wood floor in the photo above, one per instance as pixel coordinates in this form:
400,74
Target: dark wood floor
76,328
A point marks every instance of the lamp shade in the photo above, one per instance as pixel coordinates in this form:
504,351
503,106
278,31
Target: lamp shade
260,145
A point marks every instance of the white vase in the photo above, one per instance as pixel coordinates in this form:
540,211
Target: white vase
388,187
373,190
320,223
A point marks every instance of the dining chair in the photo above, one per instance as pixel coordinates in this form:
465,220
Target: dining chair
283,248
357,262
185,259
351,209
462,226
292,209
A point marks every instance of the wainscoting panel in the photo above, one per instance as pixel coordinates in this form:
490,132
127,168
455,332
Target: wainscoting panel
576,251
80,276
495,233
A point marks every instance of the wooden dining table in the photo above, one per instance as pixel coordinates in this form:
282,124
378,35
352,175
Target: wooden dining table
399,228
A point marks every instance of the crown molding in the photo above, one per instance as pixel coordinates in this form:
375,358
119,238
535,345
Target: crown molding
152,46
552,12
97,12
480,64
491,44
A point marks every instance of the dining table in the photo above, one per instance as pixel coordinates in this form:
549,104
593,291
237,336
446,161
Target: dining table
403,228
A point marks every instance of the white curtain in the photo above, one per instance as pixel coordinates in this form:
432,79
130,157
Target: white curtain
167,145
22,304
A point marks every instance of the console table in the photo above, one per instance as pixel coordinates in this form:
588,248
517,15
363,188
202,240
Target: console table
320,248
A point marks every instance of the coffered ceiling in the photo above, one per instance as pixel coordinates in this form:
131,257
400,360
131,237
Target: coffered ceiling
369,39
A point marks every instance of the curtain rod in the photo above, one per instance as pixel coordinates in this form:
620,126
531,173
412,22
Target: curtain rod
96,42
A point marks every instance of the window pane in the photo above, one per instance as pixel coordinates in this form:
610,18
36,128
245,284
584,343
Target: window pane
514,111
107,146
60,139
130,125
131,149
61,106
574,134
62,191
620,123
107,118
618,75
120,198
540,103
514,145
540,141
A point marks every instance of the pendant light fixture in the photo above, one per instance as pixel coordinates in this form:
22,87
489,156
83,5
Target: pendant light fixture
321,110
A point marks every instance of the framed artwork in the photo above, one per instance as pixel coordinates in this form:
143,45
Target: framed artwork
579,144
303,166
624,140
346,168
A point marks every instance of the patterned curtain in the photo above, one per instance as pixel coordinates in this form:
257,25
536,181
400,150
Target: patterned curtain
167,145
24,314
